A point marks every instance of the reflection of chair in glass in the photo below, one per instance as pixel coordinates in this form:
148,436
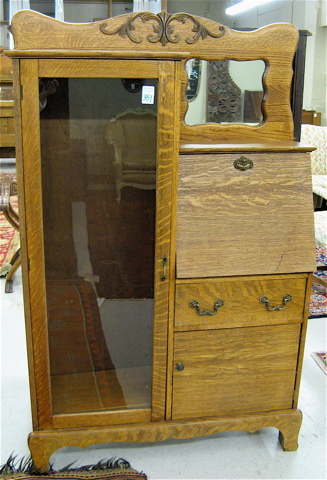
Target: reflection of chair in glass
133,134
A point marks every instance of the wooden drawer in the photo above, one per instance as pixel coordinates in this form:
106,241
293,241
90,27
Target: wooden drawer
241,302
244,222
234,371
7,126
6,108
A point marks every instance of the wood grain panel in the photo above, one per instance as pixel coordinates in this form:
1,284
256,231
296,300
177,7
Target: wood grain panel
231,371
241,302
22,233
98,68
233,222
302,341
104,418
167,156
34,237
193,37
43,444
172,270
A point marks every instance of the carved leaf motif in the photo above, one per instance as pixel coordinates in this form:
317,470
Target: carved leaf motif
164,31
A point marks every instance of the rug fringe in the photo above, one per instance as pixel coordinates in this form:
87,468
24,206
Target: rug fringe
26,466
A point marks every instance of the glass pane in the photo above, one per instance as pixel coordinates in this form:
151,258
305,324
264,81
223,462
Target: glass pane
98,144
224,91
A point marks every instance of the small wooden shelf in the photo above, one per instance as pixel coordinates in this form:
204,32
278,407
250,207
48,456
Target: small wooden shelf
124,388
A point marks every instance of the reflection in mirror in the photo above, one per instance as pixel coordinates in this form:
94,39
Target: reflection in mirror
224,91
98,149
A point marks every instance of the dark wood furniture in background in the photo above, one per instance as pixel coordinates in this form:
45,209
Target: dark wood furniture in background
298,83
7,128
311,117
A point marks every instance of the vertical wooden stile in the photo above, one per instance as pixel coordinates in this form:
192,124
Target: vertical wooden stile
167,141
34,238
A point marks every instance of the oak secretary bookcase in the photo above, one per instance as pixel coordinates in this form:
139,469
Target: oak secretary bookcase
166,261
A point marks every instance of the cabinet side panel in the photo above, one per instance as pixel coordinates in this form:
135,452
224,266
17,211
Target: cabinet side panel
34,237
255,221
22,229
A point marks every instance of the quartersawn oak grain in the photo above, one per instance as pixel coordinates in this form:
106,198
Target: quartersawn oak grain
43,444
233,222
241,297
254,227
232,371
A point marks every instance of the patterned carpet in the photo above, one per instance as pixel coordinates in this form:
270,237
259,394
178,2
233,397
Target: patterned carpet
9,237
321,359
318,302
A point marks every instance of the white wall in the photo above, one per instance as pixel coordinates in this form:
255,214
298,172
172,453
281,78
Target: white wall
305,15
83,11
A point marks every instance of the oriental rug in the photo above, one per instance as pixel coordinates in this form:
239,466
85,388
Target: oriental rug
82,372
9,236
321,359
318,301
111,470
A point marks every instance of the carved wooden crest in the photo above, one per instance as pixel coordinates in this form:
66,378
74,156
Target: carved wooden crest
163,30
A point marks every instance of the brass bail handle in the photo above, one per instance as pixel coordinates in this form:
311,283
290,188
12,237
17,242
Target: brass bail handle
195,304
286,300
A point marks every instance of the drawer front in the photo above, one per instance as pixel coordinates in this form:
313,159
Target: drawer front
234,371
7,125
7,108
244,222
241,299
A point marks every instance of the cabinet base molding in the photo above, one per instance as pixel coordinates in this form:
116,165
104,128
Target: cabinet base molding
43,444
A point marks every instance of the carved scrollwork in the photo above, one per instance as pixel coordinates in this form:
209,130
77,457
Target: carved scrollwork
224,96
164,31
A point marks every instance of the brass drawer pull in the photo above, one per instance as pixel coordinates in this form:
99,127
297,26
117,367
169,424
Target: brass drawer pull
286,300
195,304
243,163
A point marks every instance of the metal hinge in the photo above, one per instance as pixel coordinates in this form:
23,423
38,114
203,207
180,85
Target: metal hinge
164,265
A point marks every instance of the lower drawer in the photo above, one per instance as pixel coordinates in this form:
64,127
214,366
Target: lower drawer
241,302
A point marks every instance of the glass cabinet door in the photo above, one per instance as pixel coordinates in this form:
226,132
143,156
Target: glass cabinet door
98,151
98,242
